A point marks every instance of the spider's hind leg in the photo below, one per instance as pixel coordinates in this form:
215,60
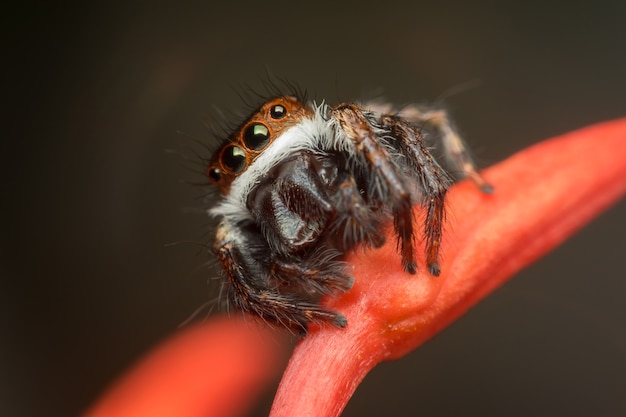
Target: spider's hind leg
455,150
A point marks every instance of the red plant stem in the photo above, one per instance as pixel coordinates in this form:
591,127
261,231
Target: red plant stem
542,195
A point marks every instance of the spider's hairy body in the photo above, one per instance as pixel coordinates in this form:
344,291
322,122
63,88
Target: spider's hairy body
302,184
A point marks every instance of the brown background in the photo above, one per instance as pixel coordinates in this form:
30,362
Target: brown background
95,94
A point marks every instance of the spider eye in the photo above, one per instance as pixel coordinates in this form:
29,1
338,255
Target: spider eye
256,137
278,112
215,174
234,158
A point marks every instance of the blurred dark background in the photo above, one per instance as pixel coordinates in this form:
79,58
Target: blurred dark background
95,94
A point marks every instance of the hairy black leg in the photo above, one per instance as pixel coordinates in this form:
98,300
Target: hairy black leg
433,180
455,149
251,288
319,273
390,184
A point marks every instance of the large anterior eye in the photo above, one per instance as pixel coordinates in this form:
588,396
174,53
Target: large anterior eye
278,112
234,158
256,136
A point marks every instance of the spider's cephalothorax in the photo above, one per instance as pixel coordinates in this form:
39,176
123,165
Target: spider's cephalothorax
302,183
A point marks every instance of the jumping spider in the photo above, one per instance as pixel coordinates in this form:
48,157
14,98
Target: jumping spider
302,183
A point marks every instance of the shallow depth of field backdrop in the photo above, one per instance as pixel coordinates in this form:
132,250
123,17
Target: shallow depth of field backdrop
94,97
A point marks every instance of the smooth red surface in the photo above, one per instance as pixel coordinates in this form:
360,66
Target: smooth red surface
542,195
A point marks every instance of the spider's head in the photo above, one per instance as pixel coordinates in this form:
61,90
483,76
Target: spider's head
252,138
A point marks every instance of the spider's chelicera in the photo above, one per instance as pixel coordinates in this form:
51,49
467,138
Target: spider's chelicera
302,183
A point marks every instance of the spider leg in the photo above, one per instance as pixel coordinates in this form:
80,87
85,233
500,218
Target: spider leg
252,289
455,149
318,274
390,183
433,180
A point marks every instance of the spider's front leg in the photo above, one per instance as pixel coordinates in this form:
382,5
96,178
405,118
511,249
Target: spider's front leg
387,183
243,255
432,179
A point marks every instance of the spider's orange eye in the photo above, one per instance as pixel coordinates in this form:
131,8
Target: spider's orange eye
233,158
214,174
256,137
278,112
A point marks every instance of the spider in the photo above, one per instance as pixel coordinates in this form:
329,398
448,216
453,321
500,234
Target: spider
301,184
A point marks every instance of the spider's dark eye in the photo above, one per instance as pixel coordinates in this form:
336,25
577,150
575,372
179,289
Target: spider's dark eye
256,137
234,158
215,174
278,112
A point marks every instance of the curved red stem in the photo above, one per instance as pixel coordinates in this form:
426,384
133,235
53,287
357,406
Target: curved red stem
542,195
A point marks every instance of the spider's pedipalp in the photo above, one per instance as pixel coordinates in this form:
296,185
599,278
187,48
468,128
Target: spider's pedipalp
357,222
